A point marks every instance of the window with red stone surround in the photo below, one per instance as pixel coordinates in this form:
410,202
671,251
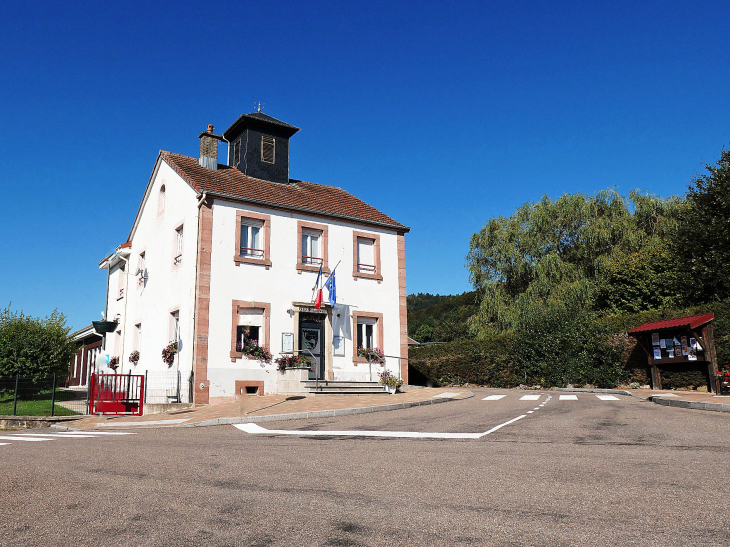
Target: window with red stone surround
356,316
367,271
237,306
302,228
244,218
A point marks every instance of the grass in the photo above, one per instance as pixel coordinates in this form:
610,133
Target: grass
37,405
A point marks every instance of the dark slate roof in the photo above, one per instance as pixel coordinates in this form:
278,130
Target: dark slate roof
298,195
691,322
260,117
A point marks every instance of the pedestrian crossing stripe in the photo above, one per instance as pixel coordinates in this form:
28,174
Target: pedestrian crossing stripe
564,397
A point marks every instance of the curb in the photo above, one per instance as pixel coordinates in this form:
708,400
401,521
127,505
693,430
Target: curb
696,405
298,415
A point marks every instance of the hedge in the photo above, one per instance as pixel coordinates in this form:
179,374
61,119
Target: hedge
490,362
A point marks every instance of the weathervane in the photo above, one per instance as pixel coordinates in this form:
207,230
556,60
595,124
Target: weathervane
258,106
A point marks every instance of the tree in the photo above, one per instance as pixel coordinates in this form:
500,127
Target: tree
559,249
703,241
32,346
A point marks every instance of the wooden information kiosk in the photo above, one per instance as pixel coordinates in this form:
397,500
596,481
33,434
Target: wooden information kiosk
678,342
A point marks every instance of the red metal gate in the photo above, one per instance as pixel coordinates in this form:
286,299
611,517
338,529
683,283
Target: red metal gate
116,394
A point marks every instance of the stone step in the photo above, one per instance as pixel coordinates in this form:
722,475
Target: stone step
338,383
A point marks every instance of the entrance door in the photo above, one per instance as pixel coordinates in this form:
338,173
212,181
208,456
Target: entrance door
311,337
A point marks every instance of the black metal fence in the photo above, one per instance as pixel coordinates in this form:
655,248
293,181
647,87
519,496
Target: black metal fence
39,396
168,386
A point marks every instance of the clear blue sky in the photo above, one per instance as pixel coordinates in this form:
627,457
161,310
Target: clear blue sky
441,114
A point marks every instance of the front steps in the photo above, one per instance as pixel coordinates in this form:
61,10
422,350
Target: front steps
330,387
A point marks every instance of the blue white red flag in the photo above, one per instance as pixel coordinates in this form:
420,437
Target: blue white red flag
331,289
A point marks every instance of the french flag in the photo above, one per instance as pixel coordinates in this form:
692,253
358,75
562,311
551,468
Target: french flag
318,289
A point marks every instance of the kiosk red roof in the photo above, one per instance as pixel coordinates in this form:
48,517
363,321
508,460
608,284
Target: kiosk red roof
680,322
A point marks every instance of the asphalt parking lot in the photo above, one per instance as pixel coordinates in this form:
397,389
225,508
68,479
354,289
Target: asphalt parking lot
576,471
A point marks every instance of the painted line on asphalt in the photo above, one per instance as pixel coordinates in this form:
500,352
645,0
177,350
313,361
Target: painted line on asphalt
530,397
447,395
56,435
493,397
568,398
95,433
608,398
138,424
20,438
256,429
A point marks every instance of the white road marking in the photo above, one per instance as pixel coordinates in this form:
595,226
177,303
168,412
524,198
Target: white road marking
3,444
494,397
568,398
257,429
608,398
19,438
447,395
530,411
95,433
665,395
56,435
530,397
152,422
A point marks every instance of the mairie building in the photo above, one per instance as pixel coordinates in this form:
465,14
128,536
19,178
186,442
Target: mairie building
222,260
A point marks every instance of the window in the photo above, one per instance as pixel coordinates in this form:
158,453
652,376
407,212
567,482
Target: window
174,331
237,153
250,322
312,247
141,269
120,291
252,239
366,256
367,333
178,246
137,336
161,200
268,149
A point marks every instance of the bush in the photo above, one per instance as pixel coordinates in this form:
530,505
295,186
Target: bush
561,344
31,346
481,362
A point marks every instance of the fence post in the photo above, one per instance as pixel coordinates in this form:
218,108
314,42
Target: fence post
191,383
146,387
53,396
15,397
177,395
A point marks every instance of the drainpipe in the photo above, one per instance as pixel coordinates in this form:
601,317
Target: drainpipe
124,317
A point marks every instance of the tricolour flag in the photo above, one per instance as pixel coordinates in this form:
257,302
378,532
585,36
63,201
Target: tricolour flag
318,290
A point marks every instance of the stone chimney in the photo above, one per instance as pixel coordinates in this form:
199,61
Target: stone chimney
209,148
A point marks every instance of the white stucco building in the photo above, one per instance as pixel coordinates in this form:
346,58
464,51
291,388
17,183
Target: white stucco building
221,255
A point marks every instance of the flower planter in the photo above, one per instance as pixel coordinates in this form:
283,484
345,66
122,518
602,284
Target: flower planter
102,327
291,380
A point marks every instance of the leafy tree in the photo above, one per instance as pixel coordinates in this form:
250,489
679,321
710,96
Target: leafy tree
32,346
554,249
703,242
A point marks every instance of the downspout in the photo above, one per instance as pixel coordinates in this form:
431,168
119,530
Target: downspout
124,317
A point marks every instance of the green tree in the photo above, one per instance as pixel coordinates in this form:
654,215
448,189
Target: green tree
553,250
703,242
32,346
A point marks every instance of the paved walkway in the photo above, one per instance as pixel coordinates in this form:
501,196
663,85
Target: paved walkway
227,410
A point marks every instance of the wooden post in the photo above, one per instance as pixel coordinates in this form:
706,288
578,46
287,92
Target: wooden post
656,379
712,366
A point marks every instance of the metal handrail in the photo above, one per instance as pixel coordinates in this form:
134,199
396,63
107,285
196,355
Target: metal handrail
366,268
256,252
312,260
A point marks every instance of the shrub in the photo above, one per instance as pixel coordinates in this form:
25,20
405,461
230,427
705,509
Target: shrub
31,346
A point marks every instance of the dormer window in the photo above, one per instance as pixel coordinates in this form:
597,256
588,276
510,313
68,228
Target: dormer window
268,149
